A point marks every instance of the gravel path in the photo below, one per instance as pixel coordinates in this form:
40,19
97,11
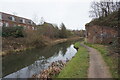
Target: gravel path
97,68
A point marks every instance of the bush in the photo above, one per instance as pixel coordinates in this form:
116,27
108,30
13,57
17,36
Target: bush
13,31
48,30
63,31
52,31
35,39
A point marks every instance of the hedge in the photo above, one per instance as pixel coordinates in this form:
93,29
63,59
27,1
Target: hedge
12,31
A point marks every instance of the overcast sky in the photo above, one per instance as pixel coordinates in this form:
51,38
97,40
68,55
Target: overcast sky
73,13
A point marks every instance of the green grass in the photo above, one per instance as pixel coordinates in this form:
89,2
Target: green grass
77,44
111,61
77,67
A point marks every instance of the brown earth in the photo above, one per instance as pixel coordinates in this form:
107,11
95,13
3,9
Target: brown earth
97,68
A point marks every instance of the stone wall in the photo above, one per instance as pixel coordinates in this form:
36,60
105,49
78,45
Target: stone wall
100,34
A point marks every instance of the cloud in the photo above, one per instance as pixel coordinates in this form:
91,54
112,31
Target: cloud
45,0
73,13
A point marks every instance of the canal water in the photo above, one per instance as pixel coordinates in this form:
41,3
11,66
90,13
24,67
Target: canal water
25,64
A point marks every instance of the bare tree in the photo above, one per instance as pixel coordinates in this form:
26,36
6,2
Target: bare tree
35,18
14,13
42,20
103,8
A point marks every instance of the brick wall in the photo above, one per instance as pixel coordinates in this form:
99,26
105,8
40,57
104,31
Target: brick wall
9,20
100,34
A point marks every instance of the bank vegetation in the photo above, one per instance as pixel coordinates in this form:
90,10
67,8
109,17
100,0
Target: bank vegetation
17,38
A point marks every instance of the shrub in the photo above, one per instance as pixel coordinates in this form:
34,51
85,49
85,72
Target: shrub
35,39
48,30
13,31
63,31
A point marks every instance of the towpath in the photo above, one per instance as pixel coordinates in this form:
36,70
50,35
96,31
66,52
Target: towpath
97,66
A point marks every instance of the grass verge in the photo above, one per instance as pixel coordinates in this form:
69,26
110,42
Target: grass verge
111,61
77,67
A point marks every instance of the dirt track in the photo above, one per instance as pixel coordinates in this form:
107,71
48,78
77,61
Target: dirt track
97,66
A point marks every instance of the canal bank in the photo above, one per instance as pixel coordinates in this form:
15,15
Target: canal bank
50,43
77,67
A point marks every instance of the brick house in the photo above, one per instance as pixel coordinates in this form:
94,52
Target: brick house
9,20
100,34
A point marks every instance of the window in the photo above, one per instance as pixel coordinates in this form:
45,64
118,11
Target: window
12,18
23,20
1,24
0,16
6,24
31,22
33,28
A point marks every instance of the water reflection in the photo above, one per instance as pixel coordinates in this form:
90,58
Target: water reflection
33,61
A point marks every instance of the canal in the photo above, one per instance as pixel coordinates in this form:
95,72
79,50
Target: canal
25,64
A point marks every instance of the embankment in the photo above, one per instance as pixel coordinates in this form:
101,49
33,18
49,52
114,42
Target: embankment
16,46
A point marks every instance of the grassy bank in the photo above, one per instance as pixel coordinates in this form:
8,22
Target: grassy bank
111,61
77,67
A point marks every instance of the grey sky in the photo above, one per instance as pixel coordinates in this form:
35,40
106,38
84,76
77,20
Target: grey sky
73,13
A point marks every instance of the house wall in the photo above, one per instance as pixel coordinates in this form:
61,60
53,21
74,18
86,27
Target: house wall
100,34
0,19
6,21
